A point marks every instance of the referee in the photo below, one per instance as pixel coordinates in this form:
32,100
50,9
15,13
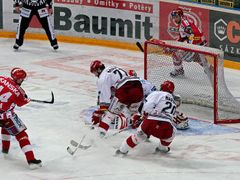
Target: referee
38,8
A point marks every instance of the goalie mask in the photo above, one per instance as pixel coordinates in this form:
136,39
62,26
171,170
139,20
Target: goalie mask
97,67
167,86
18,75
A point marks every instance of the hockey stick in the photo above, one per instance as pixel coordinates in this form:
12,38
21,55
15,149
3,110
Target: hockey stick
77,146
42,101
139,45
118,132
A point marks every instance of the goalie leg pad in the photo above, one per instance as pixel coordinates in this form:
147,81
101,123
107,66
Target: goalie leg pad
180,121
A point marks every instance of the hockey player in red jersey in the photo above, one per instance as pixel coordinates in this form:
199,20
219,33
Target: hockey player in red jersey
11,94
158,110
118,93
191,34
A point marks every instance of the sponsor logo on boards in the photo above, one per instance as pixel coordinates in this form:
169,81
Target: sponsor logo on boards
225,33
122,5
138,27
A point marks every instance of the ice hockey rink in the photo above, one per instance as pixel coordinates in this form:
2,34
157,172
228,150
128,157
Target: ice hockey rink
211,152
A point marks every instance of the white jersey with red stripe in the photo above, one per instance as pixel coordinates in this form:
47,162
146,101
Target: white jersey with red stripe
190,33
160,106
107,80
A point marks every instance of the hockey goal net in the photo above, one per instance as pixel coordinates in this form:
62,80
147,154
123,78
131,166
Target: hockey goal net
203,82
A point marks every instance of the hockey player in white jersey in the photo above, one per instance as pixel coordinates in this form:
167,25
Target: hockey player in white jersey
118,94
107,78
158,111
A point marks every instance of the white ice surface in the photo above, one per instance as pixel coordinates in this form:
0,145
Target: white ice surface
50,127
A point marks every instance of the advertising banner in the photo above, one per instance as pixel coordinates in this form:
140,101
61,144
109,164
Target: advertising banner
168,28
116,20
1,14
225,33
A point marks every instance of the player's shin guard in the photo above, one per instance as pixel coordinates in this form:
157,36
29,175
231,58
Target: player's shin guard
25,145
5,141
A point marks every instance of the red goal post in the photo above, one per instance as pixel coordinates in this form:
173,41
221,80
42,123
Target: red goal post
203,82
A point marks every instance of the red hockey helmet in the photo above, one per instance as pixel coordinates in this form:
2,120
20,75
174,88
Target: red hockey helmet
177,12
167,86
18,74
132,72
96,67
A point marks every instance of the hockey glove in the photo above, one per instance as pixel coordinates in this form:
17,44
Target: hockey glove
136,121
97,115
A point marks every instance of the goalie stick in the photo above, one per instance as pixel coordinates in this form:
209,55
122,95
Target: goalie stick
77,146
139,45
43,101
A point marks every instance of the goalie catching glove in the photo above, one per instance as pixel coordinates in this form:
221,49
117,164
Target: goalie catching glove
97,115
180,121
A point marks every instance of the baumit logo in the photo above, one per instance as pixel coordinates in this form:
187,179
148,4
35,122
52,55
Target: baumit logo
227,30
220,29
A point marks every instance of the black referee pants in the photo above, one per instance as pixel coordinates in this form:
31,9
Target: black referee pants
24,22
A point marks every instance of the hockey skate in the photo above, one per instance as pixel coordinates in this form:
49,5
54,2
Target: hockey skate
120,153
15,46
35,164
162,149
55,46
5,153
177,73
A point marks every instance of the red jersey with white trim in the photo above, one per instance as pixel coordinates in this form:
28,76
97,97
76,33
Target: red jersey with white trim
106,83
11,94
190,33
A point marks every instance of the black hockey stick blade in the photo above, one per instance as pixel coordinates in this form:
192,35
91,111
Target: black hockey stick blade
42,101
140,46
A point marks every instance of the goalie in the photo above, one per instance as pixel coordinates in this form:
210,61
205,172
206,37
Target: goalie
179,119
